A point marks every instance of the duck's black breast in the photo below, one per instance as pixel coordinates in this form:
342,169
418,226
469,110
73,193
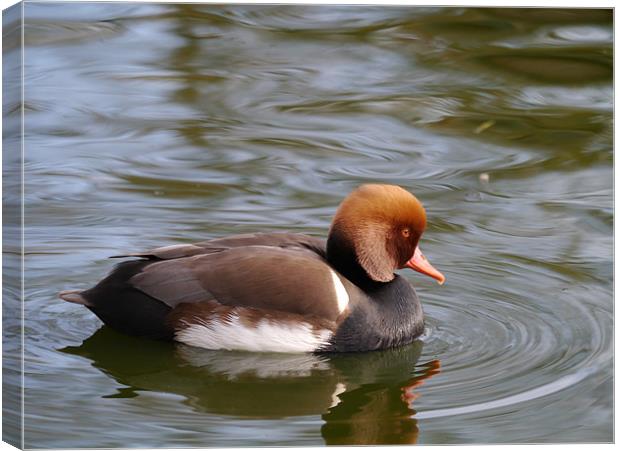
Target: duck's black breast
388,315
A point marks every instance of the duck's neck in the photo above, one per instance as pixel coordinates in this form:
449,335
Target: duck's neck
341,255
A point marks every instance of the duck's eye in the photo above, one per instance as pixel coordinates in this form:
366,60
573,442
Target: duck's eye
406,233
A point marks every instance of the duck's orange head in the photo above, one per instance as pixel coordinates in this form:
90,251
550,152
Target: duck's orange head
383,224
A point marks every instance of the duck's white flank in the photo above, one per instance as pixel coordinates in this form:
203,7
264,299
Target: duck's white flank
266,336
342,297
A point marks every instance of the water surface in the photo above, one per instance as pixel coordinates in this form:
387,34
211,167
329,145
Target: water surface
162,124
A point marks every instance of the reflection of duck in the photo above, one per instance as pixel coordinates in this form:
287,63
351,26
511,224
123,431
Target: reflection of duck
364,398
377,414
280,292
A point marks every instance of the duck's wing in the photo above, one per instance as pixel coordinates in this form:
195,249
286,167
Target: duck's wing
289,277
278,240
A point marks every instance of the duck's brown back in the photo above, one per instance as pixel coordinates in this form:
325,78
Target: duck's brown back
252,280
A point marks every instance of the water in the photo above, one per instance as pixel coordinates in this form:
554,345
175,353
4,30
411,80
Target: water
161,124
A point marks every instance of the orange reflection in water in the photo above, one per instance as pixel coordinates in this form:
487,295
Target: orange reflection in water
377,414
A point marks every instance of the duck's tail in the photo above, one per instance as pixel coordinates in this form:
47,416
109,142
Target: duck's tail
74,296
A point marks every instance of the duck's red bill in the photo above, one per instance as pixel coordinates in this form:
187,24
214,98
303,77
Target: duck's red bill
419,263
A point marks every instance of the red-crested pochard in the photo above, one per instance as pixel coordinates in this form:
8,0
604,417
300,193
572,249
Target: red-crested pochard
280,292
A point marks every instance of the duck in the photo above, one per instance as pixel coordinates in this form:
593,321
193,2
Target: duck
279,292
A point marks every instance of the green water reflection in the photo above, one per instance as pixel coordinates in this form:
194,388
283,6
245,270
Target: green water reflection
362,398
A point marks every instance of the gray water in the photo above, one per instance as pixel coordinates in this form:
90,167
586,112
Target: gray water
155,124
